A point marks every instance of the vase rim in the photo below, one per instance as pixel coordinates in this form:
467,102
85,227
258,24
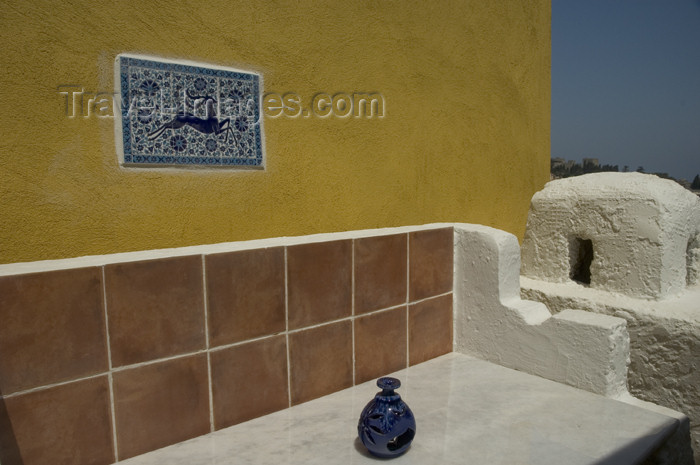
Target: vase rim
389,384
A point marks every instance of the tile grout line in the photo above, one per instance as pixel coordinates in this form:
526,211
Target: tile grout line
408,298
350,318
454,273
425,299
286,328
157,360
54,385
207,343
110,378
247,341
352,307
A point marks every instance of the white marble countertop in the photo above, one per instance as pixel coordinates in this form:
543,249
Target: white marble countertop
467,411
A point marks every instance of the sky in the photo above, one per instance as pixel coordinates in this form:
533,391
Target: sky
626,83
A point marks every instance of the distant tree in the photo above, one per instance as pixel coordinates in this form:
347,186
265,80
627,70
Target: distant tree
640,169
625,169
696,183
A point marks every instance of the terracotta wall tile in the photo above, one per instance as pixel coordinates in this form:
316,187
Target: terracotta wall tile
161,404
319,282
249,380
51,328
9,450
62,425
380,272
380,344
155,308
430,257
245,294
430,329
320,361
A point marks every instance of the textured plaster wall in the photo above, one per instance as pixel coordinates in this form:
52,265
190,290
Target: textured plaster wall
581,349
643,231
465,135
664,341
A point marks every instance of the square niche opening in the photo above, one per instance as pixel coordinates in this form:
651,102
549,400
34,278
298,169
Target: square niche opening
185,114
580,259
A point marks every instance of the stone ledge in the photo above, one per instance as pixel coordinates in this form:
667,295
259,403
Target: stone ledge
467,410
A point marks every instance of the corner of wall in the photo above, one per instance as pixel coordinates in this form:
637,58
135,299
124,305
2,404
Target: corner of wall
584,350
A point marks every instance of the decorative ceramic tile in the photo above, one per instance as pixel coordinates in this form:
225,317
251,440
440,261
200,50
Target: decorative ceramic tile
187,114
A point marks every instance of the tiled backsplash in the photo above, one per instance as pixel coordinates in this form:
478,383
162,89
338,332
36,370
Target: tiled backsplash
102,363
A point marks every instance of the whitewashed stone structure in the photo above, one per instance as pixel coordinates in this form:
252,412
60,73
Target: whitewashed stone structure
626,245
631,233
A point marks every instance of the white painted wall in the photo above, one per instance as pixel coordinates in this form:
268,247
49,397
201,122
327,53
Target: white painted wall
578,348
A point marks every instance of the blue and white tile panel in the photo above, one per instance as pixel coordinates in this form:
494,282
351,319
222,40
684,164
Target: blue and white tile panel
187,114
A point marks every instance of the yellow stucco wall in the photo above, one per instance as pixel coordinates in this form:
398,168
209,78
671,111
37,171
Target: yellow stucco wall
465,136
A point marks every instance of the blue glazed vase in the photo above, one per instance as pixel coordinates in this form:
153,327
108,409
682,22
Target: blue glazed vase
387,425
